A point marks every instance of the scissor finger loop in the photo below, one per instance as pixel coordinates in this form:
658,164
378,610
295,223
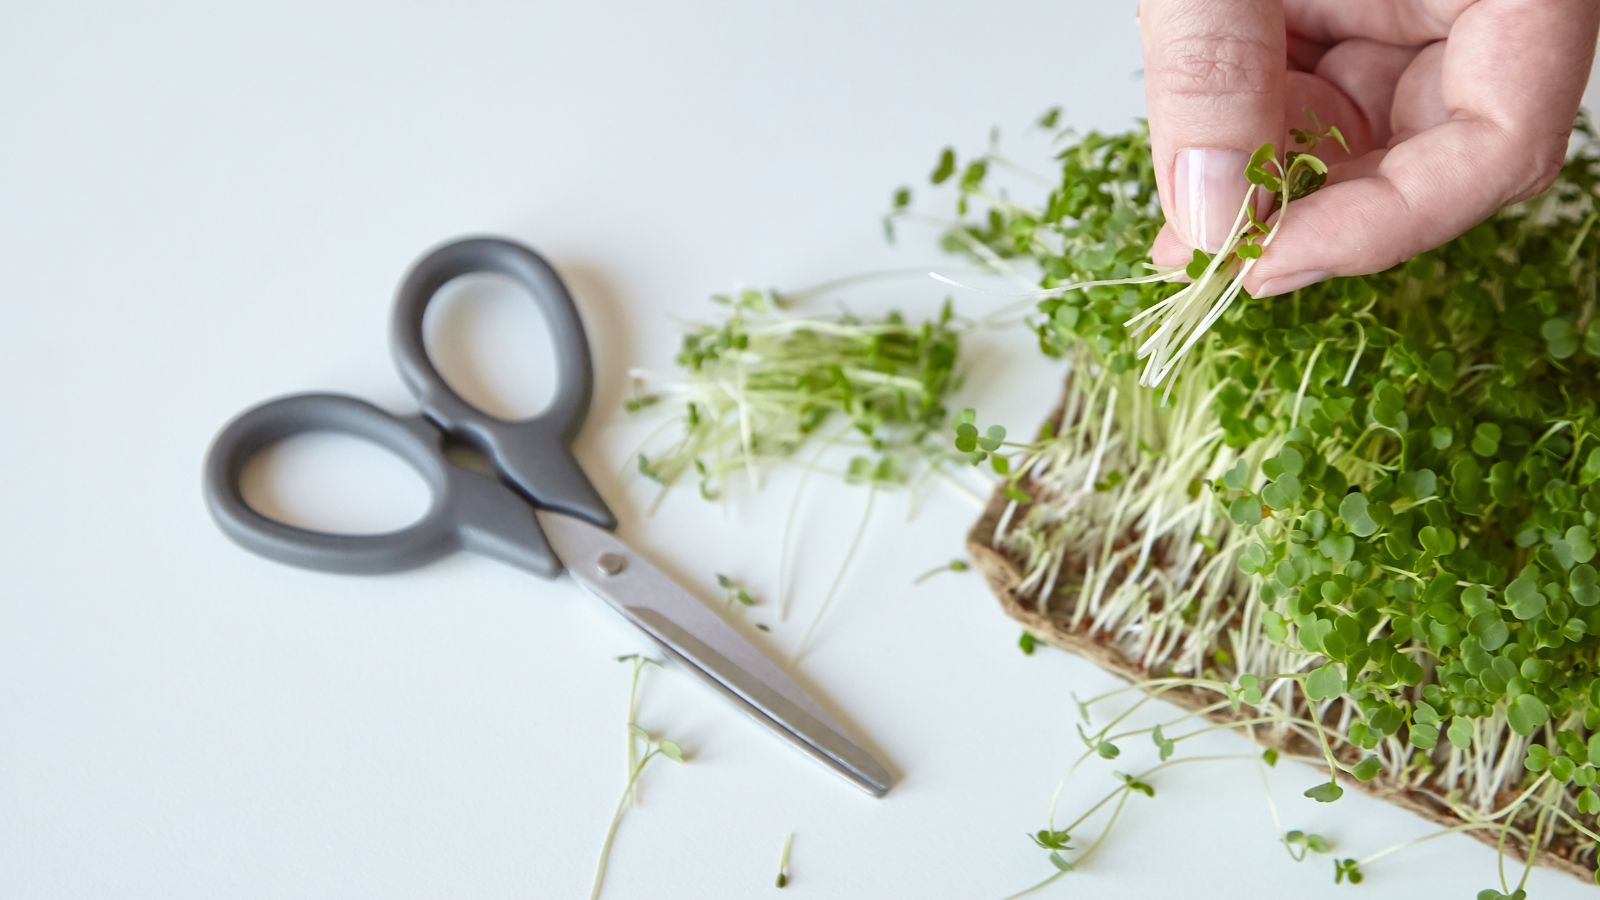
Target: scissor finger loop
532,453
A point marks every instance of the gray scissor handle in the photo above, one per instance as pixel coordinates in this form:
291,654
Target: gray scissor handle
535,453
467,510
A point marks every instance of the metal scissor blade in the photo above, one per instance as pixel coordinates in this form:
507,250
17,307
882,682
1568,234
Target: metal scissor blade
710,647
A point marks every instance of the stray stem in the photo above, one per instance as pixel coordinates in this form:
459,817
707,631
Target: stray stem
1123,788
616,821
1322,741
955,565
827,287
838,578
1405,845
783,860
1535,841
632,794
1583,233
1272,807
788,529
1116,813
1038,887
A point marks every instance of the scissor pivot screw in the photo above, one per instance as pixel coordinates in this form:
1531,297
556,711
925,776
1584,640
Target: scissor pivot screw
611,563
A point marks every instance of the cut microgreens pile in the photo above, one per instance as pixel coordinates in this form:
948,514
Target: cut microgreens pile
759,385
865,398
1368,509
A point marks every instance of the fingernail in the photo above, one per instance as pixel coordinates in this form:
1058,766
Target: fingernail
1283,284
1210,186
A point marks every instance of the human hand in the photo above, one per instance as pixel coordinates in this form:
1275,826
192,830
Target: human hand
1453,109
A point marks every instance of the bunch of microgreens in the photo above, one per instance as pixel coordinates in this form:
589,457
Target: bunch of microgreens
757,386
642,748
763,383
1368,509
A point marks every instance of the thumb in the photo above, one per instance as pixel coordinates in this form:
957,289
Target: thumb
1214,75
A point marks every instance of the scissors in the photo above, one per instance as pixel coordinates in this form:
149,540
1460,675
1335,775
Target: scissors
541,514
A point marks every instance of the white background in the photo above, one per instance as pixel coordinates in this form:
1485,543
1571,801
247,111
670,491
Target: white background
203,205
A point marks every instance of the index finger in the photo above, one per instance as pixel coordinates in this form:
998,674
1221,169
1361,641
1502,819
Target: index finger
1214,81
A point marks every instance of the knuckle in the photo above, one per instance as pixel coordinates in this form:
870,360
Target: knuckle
1545,160
1215,65
1537,162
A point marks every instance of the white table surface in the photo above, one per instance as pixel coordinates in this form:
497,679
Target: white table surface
203,205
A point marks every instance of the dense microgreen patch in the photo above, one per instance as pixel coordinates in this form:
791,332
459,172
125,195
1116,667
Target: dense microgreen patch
1378,498
1364,514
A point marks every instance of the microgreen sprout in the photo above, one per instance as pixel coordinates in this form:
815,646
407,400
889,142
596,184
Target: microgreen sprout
954,565
1346,870
783,860
638,663
642,748
734,592
1301,844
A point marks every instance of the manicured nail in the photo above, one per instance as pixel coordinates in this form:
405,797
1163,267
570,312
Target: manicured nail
1283,284
1210,188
